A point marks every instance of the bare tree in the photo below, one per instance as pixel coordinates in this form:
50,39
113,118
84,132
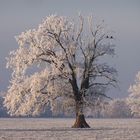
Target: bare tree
70,73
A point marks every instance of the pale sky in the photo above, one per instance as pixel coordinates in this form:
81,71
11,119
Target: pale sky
122,16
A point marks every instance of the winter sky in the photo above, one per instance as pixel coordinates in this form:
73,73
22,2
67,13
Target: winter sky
122,16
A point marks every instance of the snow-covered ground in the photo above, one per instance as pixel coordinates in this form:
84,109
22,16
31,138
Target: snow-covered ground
60,129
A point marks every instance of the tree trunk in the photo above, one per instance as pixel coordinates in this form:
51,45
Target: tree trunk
80,122
80,118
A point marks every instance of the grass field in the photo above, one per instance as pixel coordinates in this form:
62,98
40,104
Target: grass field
60,129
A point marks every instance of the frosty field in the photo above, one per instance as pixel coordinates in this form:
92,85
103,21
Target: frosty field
59,129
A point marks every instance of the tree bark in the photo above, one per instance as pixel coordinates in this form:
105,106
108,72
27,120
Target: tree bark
80,118
80,122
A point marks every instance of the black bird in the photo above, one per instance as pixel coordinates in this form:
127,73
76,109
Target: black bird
111,37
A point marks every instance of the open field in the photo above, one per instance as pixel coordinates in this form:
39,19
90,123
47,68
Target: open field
59,129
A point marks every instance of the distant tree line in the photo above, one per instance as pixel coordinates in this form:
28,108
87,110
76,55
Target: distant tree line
117,108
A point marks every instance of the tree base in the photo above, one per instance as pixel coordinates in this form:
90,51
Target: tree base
80,122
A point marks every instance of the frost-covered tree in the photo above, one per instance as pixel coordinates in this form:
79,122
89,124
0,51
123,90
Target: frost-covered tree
117,108
69,73
133,99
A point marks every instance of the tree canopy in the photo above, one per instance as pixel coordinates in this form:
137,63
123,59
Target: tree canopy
60,62
133,100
